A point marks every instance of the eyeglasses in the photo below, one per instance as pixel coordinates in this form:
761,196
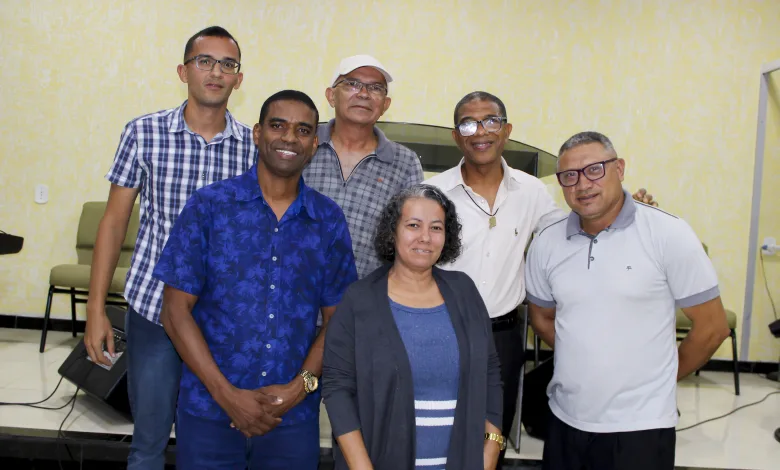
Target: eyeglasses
491,124
354,86
207,63
594,172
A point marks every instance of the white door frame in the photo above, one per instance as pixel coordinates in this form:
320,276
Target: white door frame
755,212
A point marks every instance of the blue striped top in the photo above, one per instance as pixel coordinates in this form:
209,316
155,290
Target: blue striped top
430,342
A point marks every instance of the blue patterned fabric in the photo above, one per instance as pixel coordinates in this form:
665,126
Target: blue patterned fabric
260,283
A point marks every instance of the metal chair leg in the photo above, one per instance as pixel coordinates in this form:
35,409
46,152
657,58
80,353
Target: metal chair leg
73,310
537,345
733,335
46,315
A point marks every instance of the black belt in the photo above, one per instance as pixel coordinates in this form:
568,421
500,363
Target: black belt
506,321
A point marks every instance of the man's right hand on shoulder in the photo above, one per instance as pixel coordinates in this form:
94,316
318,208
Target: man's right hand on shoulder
98,333
250,411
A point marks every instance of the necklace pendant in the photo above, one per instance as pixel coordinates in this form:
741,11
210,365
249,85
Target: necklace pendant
492,221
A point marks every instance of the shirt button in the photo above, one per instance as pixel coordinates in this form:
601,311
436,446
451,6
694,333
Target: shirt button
271,315
274,258
267,346
595,241
488,255
263,374
274,287
591,258
203,175
484,282
276,230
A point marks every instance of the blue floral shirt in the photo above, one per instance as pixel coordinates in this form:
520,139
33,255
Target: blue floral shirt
260,284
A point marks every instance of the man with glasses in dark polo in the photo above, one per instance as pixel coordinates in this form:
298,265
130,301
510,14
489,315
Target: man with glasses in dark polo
355,164
165,157
500,208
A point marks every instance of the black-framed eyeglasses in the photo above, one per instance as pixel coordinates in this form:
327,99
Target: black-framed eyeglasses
354,86
490,124
594,172
207,63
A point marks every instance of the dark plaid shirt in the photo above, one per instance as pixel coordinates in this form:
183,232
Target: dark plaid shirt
378,177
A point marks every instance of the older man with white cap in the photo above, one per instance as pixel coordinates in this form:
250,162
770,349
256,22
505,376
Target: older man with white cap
355,164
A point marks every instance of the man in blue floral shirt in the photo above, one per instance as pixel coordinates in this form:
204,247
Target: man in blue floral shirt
248,265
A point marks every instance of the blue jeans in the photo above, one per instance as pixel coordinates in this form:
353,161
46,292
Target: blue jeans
204,444
153,373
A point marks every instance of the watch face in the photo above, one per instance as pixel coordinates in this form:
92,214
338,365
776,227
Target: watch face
313,383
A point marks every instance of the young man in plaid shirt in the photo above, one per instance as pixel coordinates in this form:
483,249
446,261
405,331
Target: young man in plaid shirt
164,157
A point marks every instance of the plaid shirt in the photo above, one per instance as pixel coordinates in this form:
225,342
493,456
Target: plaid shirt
161,155
375,179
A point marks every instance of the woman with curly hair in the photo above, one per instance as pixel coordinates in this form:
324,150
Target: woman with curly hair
410,373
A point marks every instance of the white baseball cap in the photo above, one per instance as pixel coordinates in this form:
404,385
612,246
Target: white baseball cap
355,62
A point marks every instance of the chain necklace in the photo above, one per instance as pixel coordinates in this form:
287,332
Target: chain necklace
492,217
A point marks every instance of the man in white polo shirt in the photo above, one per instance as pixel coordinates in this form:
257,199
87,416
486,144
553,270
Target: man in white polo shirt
500,208
603,284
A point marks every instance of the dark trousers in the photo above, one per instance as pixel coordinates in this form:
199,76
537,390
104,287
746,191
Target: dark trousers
510,346
567,448
203,444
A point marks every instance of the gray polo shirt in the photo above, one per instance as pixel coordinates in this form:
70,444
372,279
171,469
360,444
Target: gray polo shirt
375,179
615,296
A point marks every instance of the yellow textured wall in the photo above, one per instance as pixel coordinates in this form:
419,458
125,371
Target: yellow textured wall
673,83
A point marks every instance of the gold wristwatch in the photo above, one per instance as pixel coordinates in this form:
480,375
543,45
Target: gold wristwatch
490,436
310,382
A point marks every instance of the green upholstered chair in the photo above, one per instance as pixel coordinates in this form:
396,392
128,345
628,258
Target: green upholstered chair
73,279
684,325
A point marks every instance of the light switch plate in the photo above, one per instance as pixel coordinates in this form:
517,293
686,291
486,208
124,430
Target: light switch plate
41,194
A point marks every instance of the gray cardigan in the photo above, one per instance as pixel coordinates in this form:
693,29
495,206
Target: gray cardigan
367,378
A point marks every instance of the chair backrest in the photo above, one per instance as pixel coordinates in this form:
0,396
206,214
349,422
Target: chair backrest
91,214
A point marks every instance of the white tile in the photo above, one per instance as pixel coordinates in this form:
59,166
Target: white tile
743,440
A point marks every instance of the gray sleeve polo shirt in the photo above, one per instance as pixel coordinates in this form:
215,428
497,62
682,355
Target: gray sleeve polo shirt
615,296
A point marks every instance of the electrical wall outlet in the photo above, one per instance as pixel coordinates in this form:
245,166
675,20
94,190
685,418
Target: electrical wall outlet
769,246
41,194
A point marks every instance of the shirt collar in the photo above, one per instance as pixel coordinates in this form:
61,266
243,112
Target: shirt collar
625,217
384,149
248,189
456,178
178,124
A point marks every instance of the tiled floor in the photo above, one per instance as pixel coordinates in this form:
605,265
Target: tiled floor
743,440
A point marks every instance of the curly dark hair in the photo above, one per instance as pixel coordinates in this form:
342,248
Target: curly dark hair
384,240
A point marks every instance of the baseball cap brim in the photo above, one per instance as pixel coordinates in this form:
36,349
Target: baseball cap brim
355,62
